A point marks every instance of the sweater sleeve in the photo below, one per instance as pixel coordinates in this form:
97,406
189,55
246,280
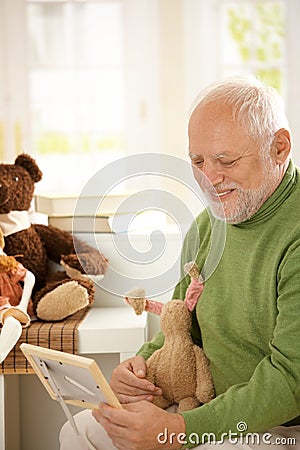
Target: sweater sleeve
271,397
151,346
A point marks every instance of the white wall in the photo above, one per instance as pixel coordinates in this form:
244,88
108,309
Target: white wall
293,93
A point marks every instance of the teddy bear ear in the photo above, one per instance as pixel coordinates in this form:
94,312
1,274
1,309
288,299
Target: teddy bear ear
154,307
193,293
30,165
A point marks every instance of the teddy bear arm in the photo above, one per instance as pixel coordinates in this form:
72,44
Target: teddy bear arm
83,247
205,387
152,365
161,402
85,263
28,249
56,242
91,260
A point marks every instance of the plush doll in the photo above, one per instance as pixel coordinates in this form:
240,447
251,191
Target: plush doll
55,296
16,284
12,274
180,368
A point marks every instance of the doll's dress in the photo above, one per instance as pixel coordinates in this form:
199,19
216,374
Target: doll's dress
10,287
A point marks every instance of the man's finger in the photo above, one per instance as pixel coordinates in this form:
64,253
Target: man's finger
126,399
133,385
116,416
139,367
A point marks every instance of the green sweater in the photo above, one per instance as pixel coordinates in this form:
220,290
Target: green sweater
249,316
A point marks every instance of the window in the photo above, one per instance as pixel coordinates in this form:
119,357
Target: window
254,40
236,37
79,85
76,111
76,85
76,76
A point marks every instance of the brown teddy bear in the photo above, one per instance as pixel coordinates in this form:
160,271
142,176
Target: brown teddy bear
180,368
55,296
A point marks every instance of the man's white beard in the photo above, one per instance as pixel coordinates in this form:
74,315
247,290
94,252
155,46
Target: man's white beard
248,201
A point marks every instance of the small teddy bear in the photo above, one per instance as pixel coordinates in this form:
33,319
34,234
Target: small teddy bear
55,296
180,368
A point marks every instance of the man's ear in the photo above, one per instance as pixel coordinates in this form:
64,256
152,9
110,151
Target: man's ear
281,146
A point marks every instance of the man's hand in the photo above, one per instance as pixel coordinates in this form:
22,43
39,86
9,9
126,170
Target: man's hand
129,383
141,426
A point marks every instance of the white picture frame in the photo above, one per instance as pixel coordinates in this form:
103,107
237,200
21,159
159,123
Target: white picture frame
68,378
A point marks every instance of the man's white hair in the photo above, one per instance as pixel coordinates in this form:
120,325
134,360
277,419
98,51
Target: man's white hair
255,106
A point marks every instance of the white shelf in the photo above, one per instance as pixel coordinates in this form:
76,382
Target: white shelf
112,330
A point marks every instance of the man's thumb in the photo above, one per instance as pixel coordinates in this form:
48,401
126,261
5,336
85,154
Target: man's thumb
139,367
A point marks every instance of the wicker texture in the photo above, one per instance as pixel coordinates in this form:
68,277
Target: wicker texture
60,336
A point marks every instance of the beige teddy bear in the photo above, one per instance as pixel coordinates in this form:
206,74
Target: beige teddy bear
180,368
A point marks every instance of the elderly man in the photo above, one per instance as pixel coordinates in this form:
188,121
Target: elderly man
248,318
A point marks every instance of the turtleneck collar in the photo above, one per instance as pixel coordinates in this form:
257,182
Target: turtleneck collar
278,197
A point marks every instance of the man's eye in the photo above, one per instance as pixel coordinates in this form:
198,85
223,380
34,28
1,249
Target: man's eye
197,163
228,163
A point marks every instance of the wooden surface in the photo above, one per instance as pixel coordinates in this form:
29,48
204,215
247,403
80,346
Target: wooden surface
62,336
78,379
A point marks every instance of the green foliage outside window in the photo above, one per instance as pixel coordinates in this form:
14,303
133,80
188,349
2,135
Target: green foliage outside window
257,28
58,142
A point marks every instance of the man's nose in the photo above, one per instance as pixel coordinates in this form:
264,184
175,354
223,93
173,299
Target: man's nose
213,172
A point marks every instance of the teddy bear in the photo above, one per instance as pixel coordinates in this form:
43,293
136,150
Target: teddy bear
57,295
180,368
